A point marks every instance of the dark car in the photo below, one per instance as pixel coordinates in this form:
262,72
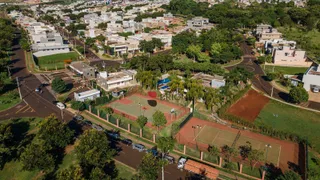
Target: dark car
114,135
127,142
154,152
97,127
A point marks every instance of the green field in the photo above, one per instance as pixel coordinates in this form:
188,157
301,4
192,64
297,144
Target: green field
291,119
9,99
124,172
285,70
56,60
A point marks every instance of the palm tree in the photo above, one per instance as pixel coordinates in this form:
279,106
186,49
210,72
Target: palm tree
212,97
195,89
176,86
148,79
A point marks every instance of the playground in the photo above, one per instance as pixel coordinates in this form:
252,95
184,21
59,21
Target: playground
199,134
249,106
135,105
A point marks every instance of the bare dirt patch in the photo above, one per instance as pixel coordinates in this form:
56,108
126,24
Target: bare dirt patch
249,106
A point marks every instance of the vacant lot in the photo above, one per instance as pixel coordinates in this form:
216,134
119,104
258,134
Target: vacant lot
249,106
291,119
285,70
53,61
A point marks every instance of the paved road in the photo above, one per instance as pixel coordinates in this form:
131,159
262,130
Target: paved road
249,63
36,104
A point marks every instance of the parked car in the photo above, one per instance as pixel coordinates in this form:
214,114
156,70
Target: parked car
37,89
127,142
138,147
114,135
97,127
87,122
78,118
170,159
154,152
315,89
60,105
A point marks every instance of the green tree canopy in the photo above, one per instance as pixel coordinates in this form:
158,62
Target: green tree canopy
142,121
289,175
71,173
149,167
159,119
54,133
298,95
93,149
6,138
165,144
58,85
77,105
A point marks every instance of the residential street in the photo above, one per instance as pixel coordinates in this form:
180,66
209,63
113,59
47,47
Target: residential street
260,83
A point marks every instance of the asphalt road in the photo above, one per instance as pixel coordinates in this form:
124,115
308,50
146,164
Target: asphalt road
258,81
41,104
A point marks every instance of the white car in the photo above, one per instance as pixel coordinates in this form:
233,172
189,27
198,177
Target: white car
315,89
60,105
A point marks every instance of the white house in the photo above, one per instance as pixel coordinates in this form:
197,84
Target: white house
311,77
121,79
87,95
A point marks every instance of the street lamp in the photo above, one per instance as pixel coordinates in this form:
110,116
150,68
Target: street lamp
194,132
140,108
268,146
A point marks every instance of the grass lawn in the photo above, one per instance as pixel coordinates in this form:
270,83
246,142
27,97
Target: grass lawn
314,165
291,119
124,172
9,99
56,60
252,172
285,70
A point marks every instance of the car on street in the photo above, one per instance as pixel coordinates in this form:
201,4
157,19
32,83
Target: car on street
37,89
127,142
60,105
97,127
154,152
114,135
78,118
138,147
168,158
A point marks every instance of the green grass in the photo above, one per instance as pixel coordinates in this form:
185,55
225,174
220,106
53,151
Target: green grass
56,60
285,70
252,172
291,119
13,171
314,165
9,99
68,160
124,172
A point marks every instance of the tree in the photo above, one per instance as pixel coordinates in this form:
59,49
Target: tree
36,156
176,86
245,150
157,43
165,144
298,95
25,45
101,38
6,136
193,51
77,105
195,89
213,150
54,133
238,74
142,121
71,173
212,97
254,157
146,46
93,149
229,152
97,174
149,167
251,41
159,119
289,175
58,85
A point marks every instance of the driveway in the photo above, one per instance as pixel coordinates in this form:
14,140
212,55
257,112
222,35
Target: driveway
258,81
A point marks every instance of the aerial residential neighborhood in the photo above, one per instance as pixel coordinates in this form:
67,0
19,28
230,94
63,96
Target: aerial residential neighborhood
160,89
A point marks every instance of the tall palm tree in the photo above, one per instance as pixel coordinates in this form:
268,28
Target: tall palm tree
212,97
176,86
195,89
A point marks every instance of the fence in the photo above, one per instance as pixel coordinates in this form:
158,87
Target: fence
210,158
123,124
113,120
186,120
135,130
147,135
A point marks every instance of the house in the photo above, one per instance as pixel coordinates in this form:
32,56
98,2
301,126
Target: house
214,81
87,95
82,69
264,33
122,79
288,56
311,77
198,24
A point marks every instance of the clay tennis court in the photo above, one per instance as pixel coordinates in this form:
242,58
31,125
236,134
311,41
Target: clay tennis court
249,106
135,105
210,133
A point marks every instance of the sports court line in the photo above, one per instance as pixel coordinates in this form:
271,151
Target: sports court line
199,132
215,137
279,156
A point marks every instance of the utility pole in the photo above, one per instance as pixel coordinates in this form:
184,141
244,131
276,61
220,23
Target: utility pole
162,168
62,114
17,79
272,91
